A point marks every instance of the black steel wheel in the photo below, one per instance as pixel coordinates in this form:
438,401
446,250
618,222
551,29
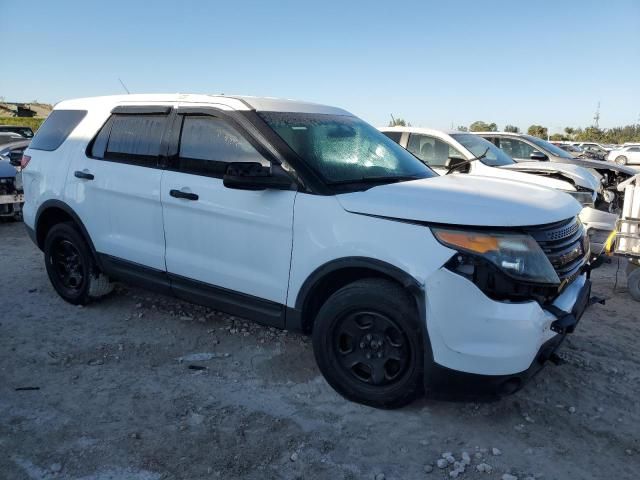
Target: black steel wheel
371,347
69,263
368,343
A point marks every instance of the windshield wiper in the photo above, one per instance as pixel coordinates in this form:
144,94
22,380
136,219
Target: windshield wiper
467,162
382,179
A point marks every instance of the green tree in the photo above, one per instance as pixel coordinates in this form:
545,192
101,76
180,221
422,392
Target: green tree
615,135
398,122
591,134
538,131
511,129
480,126
462,128
558,137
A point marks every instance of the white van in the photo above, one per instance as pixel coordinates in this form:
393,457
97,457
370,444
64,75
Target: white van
302,216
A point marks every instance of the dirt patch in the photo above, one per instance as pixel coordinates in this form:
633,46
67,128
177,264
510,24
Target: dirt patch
114,401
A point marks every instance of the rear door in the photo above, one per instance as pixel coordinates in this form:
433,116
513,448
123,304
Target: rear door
224,247
115,187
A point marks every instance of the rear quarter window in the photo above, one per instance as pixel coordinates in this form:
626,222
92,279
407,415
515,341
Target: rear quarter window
56,128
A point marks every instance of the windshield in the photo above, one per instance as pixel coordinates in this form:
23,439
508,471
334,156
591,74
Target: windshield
478,146
549,147
343,149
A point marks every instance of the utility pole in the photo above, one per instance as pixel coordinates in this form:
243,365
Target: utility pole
596,117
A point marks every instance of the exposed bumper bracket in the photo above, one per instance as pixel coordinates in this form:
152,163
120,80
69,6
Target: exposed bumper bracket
566,321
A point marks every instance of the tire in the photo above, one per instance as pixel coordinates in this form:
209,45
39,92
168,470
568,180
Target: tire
368,344
633,284
621,160
71,267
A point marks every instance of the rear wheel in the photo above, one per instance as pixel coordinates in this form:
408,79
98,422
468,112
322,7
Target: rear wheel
368,344
621,160
71,267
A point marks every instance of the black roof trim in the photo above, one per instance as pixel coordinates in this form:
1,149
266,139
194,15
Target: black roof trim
142,109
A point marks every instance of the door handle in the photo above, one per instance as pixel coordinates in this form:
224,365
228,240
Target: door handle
83,175
185,195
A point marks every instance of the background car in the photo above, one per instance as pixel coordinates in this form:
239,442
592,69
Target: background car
13,150
11,192
446,152
576,151
629,155
523,148
23,131
598,150
8,137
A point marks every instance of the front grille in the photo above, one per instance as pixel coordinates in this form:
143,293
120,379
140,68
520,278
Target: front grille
566,246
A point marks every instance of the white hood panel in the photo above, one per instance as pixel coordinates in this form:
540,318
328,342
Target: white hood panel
464,200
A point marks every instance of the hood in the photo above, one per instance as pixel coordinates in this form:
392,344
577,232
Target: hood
464,200
572,173
599,164
6,169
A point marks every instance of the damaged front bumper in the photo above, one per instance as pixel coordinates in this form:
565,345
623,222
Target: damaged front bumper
483,349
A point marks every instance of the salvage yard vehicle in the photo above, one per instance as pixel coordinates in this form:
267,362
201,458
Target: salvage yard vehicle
461,152
302,216
11,194
23,131
577,152
629,155
524,148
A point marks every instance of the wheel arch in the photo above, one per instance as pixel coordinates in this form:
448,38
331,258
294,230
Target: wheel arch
53,212
333,275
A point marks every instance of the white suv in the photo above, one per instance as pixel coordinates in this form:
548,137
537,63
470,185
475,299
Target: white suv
304,217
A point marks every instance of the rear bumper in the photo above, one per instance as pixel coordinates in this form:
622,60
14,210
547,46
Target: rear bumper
481,347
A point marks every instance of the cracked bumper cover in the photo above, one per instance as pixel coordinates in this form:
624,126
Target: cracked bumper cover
481,347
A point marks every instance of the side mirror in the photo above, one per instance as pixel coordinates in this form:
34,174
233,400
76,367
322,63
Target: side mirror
15,157
255,176
454,161
538,156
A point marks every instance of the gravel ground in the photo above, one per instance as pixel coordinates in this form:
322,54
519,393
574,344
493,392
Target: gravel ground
112,393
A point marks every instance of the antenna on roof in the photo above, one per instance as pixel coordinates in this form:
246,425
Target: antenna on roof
124,86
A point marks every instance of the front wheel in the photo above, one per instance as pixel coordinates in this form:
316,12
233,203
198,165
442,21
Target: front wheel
71,266
633,281
368,344
621,160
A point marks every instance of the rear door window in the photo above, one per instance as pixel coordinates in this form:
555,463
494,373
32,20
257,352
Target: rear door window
56,128
130,138
434,152
516,148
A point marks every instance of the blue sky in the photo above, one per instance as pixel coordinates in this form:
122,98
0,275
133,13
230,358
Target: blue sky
435,63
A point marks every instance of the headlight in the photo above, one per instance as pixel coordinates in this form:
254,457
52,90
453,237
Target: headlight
586,198
517,255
